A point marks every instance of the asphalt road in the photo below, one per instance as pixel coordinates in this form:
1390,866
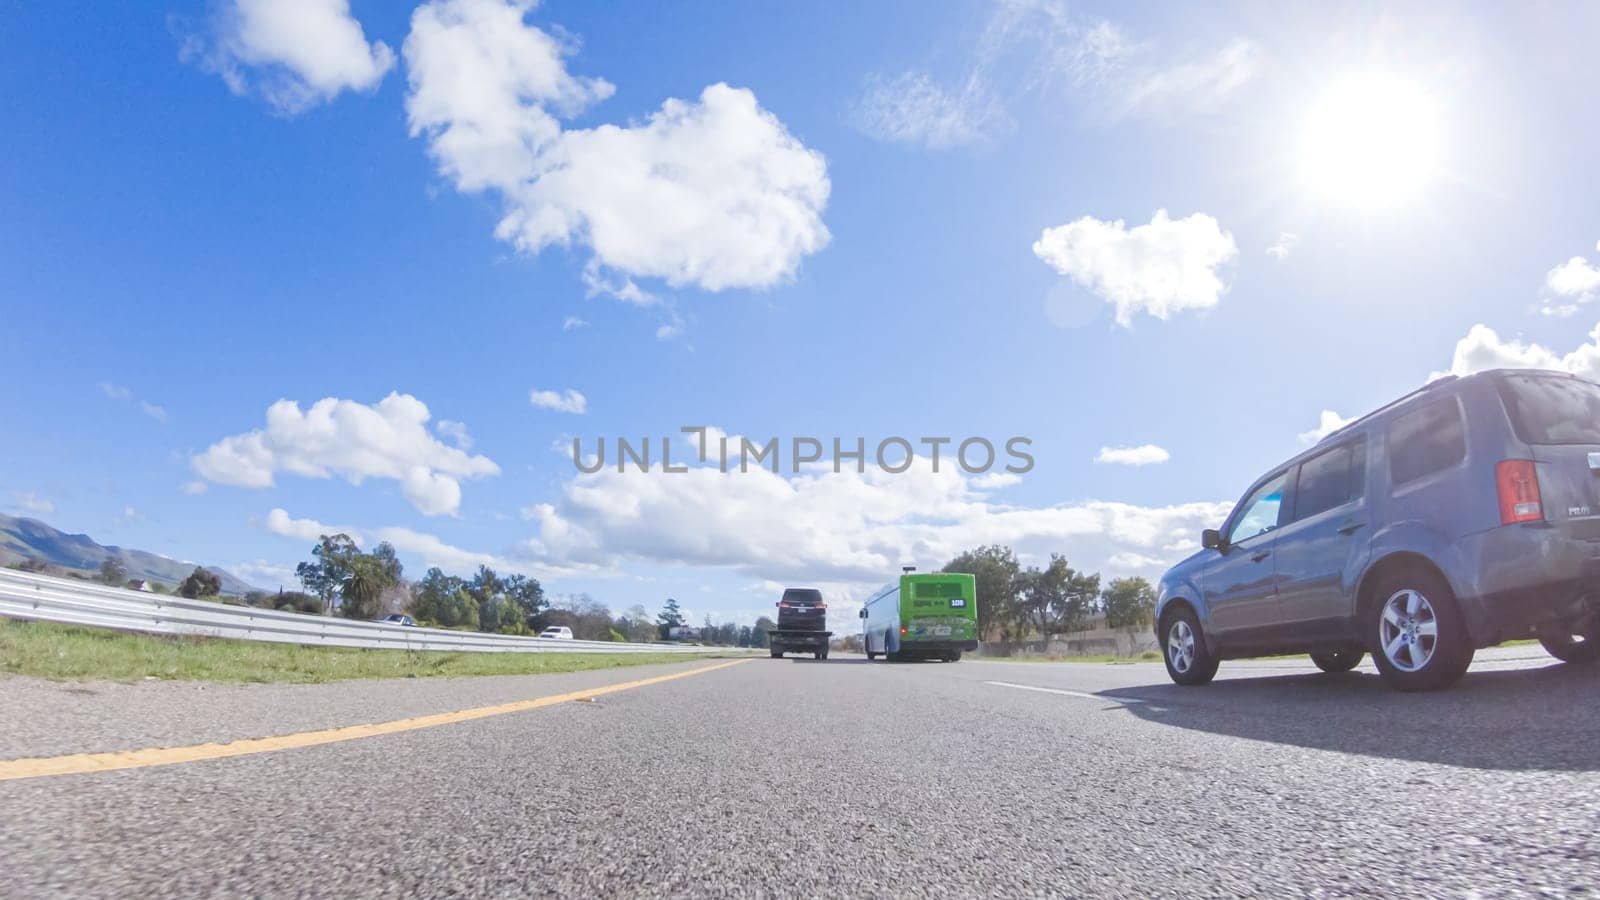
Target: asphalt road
844,777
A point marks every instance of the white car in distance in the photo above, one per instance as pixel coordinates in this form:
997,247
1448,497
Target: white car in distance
556,633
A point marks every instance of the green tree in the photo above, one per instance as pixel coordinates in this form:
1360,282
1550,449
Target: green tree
333,565
296,601
1058,598
435,596
759,631
367,576
461,611
996,570
1129,603
670,617
113,572
201,583
638,628
528,595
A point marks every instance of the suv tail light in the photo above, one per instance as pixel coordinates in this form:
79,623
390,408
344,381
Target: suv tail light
1517,482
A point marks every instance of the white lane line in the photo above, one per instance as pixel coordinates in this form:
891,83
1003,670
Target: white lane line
1124,701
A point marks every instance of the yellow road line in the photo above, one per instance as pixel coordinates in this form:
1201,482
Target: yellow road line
78,763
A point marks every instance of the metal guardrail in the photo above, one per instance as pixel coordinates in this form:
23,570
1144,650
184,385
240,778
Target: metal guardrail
25,595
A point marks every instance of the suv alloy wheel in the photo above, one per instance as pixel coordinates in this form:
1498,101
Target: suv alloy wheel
1422,642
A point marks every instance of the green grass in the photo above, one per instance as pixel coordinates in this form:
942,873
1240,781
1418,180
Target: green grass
64,652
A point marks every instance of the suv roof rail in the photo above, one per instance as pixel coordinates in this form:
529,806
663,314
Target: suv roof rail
1388,406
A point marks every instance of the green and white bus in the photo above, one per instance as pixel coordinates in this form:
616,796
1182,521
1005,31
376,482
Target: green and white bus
932,616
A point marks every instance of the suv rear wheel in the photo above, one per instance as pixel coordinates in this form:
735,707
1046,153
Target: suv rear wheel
1422,642
1183,647
1342,660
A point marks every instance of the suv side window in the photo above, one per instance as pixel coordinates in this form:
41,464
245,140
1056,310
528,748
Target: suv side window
1426,440
1260,510
1331,478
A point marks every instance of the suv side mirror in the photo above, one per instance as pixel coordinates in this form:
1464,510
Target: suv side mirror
1211,539
863,613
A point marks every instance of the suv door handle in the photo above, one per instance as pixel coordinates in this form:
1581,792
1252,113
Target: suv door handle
1258,557
1351,528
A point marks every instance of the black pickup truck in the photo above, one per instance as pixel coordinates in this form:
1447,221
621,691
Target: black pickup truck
802,624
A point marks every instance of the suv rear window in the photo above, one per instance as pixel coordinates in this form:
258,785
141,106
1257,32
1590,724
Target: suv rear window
1426,440
808,596
1546,409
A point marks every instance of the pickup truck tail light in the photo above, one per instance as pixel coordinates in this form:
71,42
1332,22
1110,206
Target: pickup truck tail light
1518,485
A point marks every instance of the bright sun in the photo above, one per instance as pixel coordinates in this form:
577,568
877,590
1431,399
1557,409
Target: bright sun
1371,141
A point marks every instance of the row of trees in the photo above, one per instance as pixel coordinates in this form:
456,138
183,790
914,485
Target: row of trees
1032,603
342,578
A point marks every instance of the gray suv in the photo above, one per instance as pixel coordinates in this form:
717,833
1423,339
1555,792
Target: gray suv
1462,515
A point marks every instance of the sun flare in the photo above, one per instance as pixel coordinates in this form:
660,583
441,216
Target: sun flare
1371,141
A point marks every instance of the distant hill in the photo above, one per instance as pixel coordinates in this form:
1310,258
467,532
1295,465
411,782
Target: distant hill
22,539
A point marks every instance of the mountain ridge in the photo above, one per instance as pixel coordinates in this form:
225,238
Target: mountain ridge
25,538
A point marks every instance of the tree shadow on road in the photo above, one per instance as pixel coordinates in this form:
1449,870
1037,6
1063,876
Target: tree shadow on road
1512,720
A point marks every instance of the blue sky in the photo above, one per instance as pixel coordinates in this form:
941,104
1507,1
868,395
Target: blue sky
910,220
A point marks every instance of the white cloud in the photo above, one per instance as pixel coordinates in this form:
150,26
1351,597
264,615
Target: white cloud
193,488
1574,283
388,440
713,192
1142,455
991,481
844,528
1140,561
1326,425
1197,85
125,395
309,531
454,432
1285,243
1042,47
30,501
573,323
1483,348
294,53
570,401
266,574
129,514
435,552
911,108
669,331
1161,268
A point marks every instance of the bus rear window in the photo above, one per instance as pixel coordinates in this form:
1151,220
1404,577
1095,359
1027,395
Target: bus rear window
938,590
1548,409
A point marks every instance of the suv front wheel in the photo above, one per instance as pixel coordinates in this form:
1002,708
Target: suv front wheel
1422,642
1183,648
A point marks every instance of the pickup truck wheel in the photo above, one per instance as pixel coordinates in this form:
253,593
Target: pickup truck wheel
1571,648
1337,660
777,654
1422,642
